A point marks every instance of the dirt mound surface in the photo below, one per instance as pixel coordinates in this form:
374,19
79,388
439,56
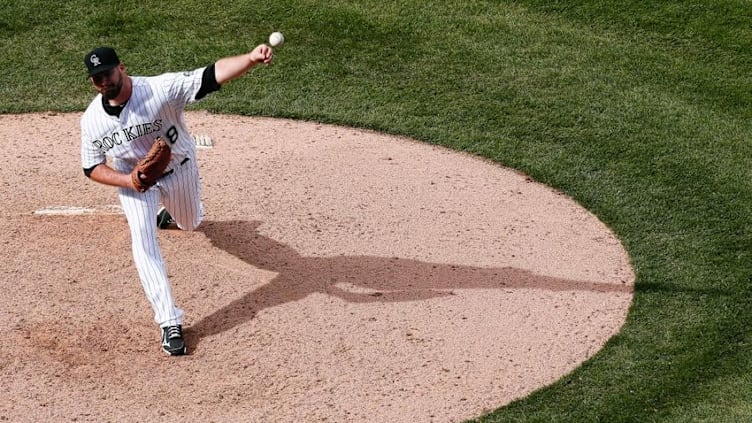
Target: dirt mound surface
340,275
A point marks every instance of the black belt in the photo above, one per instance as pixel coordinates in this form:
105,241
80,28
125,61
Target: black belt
169,172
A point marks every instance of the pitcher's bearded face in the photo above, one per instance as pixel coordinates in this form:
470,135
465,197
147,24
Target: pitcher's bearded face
108,83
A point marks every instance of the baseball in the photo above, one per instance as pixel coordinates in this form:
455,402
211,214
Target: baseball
276,39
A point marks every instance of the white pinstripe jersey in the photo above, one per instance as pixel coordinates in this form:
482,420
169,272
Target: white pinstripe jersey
154,109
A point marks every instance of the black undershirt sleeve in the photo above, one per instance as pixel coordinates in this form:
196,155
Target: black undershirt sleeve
208,83
88,171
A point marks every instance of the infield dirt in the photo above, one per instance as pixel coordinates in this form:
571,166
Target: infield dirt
340,275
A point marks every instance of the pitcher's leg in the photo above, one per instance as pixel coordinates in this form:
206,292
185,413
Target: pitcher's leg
140,210
181,194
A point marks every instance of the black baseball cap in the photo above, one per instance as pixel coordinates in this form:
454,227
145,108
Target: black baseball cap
101,59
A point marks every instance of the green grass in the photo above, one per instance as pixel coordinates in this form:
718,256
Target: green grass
639,110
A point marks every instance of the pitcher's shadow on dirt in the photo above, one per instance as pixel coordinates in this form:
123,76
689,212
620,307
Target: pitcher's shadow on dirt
357,279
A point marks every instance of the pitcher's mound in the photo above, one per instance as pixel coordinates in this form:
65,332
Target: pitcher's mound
340,275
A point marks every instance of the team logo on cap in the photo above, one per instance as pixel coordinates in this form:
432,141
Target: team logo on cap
94,59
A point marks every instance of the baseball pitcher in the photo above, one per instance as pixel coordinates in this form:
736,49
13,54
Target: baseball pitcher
134,137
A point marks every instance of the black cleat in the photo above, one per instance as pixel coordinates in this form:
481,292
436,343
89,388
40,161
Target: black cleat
172,340
164,220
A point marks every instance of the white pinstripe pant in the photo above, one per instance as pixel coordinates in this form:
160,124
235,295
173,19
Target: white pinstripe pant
180,192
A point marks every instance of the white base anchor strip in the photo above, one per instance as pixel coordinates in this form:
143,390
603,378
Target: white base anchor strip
76,211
